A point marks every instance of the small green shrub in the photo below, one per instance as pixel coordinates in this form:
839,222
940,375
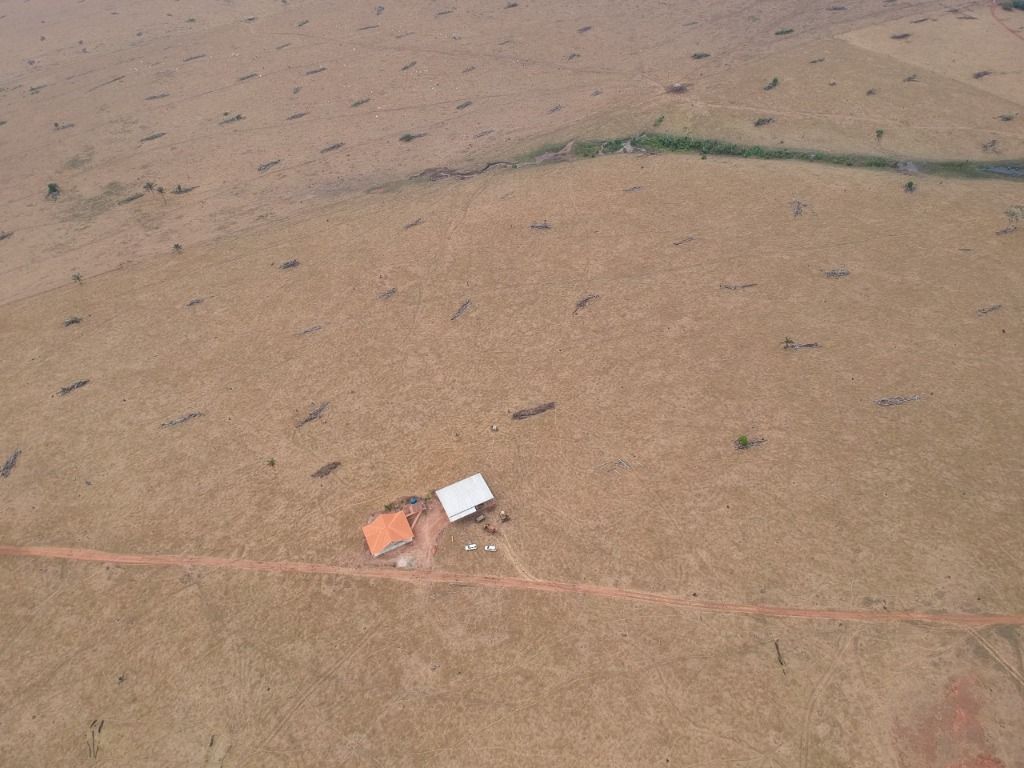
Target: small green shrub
587,148
742,441
909,187
784,32
76,276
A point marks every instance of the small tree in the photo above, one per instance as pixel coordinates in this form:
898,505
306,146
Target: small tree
52,191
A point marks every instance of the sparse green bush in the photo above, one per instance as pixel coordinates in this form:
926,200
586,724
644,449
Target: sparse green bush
661,142
742,441
666,142
910,186
76,276
52,191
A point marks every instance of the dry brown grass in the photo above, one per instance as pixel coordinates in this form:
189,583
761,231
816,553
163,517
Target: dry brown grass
632,481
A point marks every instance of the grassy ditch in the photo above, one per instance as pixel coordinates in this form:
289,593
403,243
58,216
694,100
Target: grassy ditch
663,142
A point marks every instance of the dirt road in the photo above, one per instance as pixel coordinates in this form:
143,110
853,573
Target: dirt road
538,585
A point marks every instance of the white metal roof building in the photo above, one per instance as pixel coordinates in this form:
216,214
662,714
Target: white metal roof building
462,498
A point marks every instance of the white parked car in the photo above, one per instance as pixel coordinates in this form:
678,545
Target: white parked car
491,548
470,547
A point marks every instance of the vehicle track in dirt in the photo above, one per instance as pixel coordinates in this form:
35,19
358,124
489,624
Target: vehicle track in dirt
993,5
506,582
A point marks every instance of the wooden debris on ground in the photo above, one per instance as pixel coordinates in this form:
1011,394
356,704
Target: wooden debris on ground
314,414
326,469
526,413
888,402
585,301
72,387
12,461
182,419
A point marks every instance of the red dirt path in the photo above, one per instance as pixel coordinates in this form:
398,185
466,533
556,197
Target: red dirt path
441,577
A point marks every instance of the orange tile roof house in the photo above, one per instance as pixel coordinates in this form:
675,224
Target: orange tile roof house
387,532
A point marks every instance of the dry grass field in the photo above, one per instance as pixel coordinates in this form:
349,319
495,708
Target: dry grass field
179,589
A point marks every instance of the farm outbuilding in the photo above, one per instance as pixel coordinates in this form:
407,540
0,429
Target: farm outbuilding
465,497
387,532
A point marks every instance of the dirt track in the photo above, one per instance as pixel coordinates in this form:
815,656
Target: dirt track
509,582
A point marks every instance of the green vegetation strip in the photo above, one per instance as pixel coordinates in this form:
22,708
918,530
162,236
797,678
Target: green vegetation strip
663,142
